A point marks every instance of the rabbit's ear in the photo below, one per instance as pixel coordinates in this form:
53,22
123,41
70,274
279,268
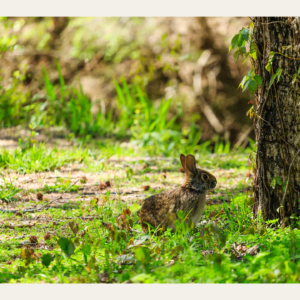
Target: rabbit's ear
182,159
190,163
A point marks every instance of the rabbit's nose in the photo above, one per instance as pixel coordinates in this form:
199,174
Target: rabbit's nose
213,184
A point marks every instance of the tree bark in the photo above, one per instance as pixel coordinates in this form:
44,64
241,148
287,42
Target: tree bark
277,122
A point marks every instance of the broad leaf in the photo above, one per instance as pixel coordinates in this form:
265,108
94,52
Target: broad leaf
46,259
252,87
253,51
245,34
247,83
278,72
236,55
250,73
66,246
246,56
273,183
258,79
243,81
272,80
278,180
234,41
243,49
143,255
240,41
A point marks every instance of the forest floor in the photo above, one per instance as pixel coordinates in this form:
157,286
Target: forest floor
82,222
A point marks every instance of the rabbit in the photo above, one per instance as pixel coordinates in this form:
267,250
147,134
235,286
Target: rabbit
161,210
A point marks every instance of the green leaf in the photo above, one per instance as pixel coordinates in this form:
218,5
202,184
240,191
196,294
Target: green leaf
250,73
143,255
253,51
278,72
246,56
66,246
268,67
93,202
240,41
294,79
261,230
246,85
243,81
234,41
273,183
258,79
86,247
272,79
229,49
250,230
278,180
299,71
243,49
252,87
250,201
129,173
46,259
245,34
236,55
271,57
253,54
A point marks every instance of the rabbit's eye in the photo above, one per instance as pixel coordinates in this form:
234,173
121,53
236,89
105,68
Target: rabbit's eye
205,176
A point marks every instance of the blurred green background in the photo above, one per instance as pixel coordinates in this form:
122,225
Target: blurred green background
127,79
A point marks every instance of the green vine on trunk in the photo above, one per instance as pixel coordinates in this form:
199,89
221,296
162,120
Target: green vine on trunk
244,41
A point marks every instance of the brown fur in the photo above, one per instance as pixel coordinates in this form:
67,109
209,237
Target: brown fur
161,209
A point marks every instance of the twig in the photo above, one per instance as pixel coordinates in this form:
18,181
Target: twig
288,180
17,226
210,116
243,137
287,56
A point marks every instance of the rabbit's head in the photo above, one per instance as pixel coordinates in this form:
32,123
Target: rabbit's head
195,178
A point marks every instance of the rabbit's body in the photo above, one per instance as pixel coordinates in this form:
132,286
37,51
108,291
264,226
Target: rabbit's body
161,209
157,211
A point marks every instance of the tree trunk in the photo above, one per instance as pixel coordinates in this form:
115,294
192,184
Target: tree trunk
277,121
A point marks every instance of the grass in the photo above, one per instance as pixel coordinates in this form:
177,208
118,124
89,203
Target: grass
39,159
8,190
95,235
92,234
156,129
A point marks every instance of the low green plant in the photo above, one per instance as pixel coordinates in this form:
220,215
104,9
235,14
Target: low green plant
100,240
39,158
8,190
